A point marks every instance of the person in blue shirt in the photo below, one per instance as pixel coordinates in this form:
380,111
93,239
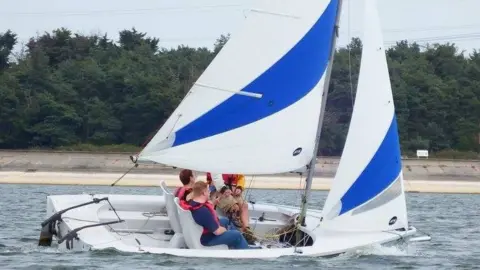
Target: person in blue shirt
215,231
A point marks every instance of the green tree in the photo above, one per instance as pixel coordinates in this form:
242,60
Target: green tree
69,89
7,42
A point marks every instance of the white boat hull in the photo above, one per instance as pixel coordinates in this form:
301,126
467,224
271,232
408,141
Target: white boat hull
147,229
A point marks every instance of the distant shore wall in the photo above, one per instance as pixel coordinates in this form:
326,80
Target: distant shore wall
50,161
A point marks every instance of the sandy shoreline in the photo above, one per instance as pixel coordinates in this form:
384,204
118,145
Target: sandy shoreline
84,162
258,182
83,168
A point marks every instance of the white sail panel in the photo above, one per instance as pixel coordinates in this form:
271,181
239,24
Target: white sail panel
254,108
367,192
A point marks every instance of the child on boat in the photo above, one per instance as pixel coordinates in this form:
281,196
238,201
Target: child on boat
233,209
188,178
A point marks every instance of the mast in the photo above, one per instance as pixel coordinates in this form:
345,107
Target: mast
311,166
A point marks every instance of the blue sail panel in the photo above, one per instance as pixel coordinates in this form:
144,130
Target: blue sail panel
381,171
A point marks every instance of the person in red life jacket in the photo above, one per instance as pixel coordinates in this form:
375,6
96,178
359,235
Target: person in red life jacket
187,177
215,230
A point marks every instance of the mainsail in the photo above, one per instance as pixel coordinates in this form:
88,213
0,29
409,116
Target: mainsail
254,110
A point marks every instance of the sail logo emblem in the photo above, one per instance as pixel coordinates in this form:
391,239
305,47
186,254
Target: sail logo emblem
297,151
392,221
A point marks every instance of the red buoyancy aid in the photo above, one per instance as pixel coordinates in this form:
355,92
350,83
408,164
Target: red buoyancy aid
182,192
185,205
230,179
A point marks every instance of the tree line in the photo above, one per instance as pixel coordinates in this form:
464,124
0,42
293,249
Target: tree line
64,90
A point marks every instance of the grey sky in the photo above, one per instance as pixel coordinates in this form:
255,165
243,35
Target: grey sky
200,22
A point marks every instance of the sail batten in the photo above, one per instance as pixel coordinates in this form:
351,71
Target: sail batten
243,93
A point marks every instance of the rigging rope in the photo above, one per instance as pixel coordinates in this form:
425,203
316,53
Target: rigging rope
247,191
120,178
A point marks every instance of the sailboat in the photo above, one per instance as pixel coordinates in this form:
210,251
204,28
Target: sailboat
254,111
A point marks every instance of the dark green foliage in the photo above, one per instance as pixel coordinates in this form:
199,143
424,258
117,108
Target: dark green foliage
436,91
69,89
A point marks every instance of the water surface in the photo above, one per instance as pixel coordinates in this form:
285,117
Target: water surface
452,220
